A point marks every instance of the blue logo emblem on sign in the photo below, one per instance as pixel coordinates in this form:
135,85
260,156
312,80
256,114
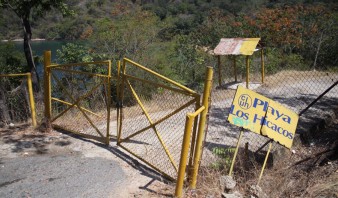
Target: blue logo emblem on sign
244,101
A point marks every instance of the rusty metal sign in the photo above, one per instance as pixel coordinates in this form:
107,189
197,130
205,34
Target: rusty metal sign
236,46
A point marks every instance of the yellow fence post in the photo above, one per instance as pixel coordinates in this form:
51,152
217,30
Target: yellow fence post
203,118
263,66
184,155
266,159
108,101
31,98
118,98
193,139
236,151
47,85
191,117
121,94
247,71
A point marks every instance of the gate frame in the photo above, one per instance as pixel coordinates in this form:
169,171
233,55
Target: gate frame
48,98
30,94
184,90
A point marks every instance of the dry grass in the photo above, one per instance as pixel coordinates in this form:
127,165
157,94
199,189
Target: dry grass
311,171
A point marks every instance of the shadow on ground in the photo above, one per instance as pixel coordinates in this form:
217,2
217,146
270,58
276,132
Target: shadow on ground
145,170
23,138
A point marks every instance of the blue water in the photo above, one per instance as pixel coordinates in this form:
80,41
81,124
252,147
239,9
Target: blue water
38,48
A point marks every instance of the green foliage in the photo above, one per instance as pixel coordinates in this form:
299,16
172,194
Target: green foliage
225,155
172,34
73,53
190,61
23,8
11,59
126,37
276,61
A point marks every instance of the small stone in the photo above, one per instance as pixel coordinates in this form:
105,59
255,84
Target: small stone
227,182
257,191
232,195
11,126
293,151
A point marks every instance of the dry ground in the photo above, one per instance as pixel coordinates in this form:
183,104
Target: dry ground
24,143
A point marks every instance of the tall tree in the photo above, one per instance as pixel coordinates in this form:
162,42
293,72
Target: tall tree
24,10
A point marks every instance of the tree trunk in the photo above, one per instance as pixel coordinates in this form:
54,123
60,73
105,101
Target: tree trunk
318,49
29,55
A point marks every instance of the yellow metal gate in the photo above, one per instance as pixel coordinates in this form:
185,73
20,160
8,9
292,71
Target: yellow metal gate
152,118
78,97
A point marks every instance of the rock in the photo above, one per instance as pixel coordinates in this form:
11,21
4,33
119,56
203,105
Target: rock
11,126
227,182
257,191
232,195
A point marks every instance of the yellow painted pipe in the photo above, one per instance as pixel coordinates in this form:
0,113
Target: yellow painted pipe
194,135
121,95
160,120
31,98
69,104
80,64
108,101
171,159
118,99
184,155
47,85
80,72
201,127
247,71
13,75
266,159
76,103
236,151
263,66
161,85
159,75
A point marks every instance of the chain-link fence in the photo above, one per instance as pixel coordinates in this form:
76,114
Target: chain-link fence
153,117
16,99
81,98
294,88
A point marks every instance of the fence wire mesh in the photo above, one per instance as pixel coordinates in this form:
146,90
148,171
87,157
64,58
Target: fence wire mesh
14,100
153,120
80,99
294,88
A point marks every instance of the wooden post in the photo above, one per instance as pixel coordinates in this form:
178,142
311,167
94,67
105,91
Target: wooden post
235,68
219,70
